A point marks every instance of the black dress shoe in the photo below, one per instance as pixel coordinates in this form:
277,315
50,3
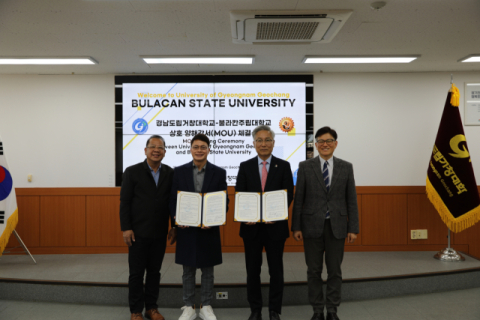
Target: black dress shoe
318,316
274,315
332,316
256,315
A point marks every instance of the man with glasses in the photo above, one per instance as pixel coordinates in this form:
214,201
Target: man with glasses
325,212
261,174
198,248
144,200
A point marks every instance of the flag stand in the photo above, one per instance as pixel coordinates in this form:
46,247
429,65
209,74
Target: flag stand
449,254
21,245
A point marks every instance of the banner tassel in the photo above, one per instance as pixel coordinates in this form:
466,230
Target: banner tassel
455,98
455,224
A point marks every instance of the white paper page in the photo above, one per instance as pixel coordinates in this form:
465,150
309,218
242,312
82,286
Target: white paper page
247,207
189,206
214,209
275,205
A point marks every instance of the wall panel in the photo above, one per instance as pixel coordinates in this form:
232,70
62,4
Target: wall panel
103,222
422,215
384,219
28,221
86,220
62,221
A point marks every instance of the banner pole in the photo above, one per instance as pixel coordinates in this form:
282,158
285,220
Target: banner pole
449,238
22,245
448,254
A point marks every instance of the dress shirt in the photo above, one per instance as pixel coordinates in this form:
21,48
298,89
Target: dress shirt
198,177
260,165
155,175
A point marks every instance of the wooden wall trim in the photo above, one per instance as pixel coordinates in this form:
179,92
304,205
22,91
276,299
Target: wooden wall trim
86,220
115,191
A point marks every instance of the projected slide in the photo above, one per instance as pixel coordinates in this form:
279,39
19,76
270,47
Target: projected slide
226,112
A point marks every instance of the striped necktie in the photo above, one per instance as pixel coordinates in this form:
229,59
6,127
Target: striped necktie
326,178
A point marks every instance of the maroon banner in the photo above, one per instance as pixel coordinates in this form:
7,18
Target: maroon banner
451,185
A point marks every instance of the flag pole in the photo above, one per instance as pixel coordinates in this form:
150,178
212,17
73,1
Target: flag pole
15,233
449,254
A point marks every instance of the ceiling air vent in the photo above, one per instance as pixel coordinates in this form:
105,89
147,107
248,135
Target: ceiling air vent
283,27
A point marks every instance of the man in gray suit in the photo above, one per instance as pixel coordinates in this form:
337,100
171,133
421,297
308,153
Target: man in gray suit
325,212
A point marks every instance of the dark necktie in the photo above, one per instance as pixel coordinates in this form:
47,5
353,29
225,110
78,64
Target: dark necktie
327,181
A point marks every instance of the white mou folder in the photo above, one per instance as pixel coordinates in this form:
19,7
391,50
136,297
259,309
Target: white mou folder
201,209
261,207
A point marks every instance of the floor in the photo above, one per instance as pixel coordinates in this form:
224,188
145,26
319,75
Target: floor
453,305
114,267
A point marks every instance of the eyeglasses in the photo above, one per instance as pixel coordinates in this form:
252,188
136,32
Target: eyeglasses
267,141
328,141
203,148
156,147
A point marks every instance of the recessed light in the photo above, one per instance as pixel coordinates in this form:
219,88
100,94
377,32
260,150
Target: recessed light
46,61
359,59
198,60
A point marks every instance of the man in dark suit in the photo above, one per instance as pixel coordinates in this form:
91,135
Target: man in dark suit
261,174
144,200
198,248
325,212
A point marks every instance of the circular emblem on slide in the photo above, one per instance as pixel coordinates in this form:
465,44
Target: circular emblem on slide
140,126
286,124
6,183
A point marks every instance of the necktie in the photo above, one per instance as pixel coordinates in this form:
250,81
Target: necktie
327,181
325,175
264,175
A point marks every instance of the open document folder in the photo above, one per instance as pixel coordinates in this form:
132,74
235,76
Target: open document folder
201,209
261,207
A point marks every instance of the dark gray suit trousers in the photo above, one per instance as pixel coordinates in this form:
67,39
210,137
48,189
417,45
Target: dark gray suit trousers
314,250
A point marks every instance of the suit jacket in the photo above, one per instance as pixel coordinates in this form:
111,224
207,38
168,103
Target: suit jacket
197,247
144,205
312,199
279,177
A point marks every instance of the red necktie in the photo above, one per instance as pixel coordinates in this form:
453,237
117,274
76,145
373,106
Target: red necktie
264,175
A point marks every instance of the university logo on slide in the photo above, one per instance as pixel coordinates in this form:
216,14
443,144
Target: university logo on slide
6,183
286,124
140,126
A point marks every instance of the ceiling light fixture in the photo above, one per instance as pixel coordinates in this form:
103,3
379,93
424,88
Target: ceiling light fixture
471,58
309,59
198,60
46,61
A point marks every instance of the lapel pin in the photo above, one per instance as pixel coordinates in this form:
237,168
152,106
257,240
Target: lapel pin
276,165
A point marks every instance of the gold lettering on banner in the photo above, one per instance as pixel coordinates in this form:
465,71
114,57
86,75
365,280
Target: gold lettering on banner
449,172
455,145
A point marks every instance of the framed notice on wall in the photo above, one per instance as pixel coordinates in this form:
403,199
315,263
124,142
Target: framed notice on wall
472,104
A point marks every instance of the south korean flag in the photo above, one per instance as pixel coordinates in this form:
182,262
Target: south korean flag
8,201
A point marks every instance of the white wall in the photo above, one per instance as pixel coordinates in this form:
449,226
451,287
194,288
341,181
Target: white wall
59,128
387,122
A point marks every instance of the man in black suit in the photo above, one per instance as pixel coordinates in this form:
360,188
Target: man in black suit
144,200
198,248
261,174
